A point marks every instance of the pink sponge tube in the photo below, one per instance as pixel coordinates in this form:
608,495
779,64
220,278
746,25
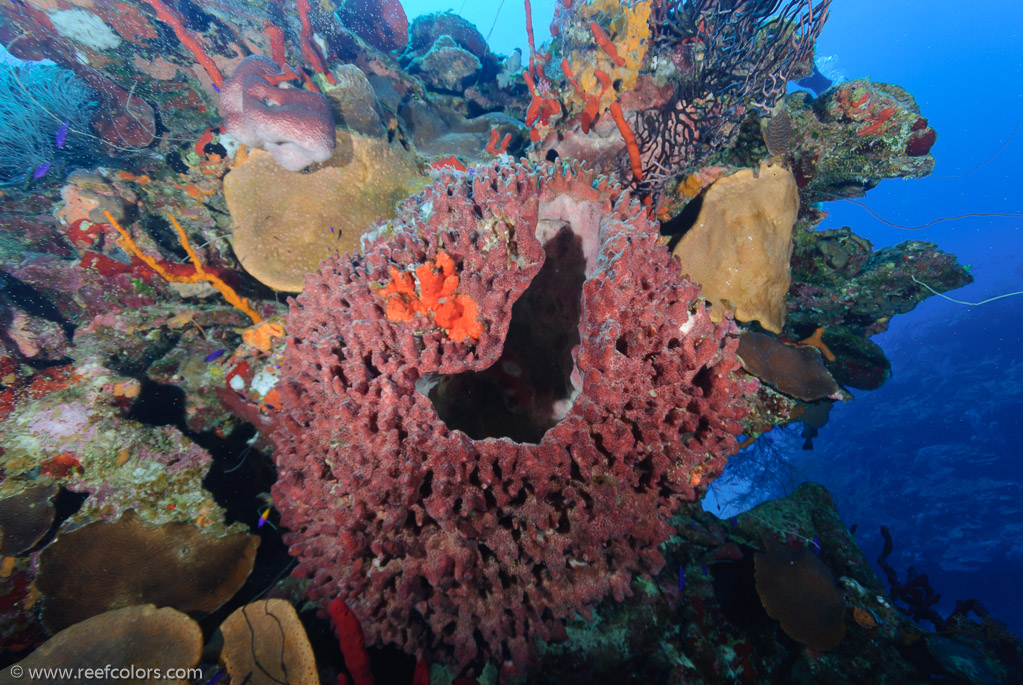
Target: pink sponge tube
294,125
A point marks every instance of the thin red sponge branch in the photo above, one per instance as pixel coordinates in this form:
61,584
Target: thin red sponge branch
353,644
171,18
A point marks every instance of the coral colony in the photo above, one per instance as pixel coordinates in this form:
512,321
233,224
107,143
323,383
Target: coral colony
538,302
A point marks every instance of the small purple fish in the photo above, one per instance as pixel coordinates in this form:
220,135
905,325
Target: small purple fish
681,578
61,136
703,566
331,229
816,545
221,672
41,170
213,356
215,87
735,523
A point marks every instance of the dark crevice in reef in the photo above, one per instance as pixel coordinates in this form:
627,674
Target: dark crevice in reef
527,391
678,225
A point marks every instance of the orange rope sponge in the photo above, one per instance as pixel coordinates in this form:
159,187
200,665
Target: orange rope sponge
817,340
200,273
605,44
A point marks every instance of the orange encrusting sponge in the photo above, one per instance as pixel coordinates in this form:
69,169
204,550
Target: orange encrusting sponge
456,313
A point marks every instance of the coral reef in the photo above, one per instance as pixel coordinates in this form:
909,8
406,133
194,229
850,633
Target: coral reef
841,283
796,371
855,135
286,223
446,65
45,111
701,619
493,407
871,286
121,643
678,78
798,590
381,23
74,431
173,564
468,544
123,122
25,518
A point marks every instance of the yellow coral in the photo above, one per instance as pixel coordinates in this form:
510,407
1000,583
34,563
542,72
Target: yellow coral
285,222
629,32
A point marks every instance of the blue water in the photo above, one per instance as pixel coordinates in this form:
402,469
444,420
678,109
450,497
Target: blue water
509,32
937,453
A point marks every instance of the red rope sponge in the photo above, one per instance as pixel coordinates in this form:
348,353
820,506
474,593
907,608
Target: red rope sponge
171,18
353,644
630,141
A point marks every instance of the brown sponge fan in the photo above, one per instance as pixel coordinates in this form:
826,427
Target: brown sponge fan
798,591
113,564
